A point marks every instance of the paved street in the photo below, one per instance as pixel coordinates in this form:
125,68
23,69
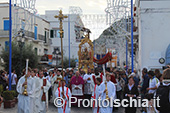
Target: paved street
53,109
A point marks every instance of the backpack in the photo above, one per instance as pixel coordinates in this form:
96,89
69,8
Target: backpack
163,94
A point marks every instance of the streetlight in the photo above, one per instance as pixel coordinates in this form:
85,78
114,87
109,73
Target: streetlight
21,42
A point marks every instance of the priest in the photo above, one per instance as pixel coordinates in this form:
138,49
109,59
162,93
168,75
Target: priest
55,83
66,94
25,88
76,85
110,92
42,93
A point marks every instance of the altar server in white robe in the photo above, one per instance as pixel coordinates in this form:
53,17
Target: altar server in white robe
96,95
42,93
37,87
24,100
65,95
111,94
87,86
93,79
55,83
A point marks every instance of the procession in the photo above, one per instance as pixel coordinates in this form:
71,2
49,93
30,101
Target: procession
37,88
91,56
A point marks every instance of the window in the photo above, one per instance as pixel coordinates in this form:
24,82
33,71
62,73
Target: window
46,36
55,33
45,39
51,33
6,25
35,32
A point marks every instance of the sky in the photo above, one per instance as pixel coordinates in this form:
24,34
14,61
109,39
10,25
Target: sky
88,6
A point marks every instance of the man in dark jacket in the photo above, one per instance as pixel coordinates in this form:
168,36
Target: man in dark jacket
145,81
145,84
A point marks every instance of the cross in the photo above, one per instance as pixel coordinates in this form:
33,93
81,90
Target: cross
61,18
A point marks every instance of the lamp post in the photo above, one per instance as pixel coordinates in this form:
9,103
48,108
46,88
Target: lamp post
21,45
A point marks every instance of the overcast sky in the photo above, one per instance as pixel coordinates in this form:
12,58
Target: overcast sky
88,6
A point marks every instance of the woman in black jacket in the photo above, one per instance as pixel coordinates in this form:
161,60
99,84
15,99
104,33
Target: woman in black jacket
130,90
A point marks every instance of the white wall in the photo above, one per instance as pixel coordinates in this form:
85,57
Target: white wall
154,32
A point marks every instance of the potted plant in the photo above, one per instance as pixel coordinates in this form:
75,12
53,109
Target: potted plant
15,96
9,100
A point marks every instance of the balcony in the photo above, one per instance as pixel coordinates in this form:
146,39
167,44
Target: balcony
41,37
48,42
29,34
6,33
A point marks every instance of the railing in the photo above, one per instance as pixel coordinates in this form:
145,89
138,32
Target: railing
41,37
29,34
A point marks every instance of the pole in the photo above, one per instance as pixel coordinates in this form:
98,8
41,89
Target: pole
69,36
10,42
27,60
61,17
132,33
94,47
62,55
104,72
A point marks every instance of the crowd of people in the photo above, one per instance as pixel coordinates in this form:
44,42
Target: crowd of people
39,87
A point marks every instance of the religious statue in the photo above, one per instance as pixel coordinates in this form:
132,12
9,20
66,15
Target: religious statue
86,54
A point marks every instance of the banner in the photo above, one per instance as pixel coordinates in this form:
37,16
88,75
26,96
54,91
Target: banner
103,60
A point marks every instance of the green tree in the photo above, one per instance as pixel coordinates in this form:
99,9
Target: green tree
27,53
66,62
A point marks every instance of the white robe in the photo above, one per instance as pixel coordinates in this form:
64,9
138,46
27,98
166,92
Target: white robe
67,95
54,85
87,85
96,95
111,93
92,81
42,105
34,96
25,103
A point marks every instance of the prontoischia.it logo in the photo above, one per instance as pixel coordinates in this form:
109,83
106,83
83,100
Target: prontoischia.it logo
60,102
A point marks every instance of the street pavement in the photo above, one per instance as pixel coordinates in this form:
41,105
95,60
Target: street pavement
53,109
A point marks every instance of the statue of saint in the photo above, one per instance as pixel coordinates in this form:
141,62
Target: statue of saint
85,54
